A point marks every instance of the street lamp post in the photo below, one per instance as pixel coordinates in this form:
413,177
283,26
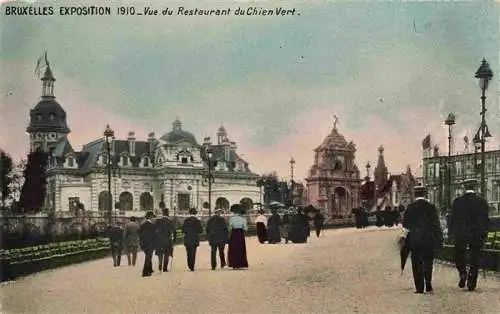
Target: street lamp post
450,121
109,134
484,74
210,180
292,163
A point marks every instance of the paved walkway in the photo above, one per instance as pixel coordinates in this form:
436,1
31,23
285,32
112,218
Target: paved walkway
344,271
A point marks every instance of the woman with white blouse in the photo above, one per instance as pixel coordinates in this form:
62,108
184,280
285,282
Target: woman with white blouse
237,250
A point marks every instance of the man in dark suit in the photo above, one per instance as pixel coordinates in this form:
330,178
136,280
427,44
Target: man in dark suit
218,236
131,240
192,229
468,229
165,239
147,238
115,234
425,236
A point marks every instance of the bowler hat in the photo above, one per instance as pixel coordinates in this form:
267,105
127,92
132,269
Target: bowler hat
193,211
149,215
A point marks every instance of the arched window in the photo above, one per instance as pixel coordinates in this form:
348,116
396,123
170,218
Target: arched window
126,201
104,201
222,203
146,201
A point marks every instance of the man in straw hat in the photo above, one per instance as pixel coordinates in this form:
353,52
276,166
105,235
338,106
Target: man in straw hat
468,229
192,229
425,236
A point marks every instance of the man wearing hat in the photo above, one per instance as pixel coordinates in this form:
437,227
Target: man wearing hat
147,239
425,235
468,229
218,236
192,229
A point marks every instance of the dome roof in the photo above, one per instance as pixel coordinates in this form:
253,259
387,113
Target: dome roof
179,135
335,140
48,115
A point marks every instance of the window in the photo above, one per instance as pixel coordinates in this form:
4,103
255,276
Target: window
146,162
458,168
184,160
125,161
436,170
52,117
71,162
39,117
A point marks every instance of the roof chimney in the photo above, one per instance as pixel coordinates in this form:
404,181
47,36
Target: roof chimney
131,143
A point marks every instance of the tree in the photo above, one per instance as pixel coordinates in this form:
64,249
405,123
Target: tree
6,166
17,179
35,182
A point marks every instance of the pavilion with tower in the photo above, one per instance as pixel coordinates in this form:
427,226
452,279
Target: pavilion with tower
333,182
171,169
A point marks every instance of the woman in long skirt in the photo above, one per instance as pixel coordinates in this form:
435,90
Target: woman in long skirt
237,251
261,225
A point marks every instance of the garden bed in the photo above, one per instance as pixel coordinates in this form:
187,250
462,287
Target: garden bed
29,260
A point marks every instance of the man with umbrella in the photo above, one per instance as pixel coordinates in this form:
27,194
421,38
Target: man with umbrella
468,228
425,236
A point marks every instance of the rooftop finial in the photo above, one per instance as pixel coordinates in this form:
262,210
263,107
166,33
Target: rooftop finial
335,121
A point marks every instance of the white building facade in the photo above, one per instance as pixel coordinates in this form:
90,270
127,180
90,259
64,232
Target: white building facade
171,170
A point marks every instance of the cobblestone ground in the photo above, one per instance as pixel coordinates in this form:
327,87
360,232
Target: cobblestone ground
344,271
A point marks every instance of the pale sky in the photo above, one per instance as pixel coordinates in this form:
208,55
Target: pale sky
391,72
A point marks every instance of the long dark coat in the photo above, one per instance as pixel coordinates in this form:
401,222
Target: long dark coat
469,220
147,234
217,231
165,235
422,221
274,224
192,229
299,229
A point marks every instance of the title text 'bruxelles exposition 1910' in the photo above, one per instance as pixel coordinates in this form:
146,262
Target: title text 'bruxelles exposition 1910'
143,11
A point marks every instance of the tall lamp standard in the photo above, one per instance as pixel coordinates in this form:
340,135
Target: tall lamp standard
109,134
292,163
484,74
210,179
450,121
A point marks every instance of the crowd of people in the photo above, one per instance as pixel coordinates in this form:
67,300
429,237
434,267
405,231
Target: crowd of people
388,217
157,236
294,226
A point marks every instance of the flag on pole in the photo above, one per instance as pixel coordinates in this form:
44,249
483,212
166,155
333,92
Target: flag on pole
426,143
41,63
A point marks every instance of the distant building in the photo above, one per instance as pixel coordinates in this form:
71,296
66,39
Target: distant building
463,166
389,190
171,169
333,182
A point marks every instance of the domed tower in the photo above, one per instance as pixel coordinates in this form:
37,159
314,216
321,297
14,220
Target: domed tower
333,181
48,119
221,135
